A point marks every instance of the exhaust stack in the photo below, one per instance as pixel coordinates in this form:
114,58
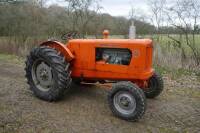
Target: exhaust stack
132,31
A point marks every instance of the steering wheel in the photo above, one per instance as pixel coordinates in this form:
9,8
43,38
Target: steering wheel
70,35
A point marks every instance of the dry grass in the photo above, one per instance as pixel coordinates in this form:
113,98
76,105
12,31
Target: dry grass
171,58
18,45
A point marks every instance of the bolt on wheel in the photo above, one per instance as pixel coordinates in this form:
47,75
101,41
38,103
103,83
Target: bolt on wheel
42,75
124,102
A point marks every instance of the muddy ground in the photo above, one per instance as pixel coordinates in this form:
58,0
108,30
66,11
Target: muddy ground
85,109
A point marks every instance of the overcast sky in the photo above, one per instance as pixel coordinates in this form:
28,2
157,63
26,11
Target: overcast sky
117,7
122,7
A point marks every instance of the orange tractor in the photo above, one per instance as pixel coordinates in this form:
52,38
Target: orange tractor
127,63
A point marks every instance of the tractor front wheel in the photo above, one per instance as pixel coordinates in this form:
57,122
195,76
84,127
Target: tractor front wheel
155,86
47,73
127,101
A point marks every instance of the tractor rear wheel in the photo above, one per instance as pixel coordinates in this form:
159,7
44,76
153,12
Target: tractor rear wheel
127,101
47,73
155,86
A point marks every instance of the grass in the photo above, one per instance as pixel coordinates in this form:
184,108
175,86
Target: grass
176,73
198,75
12,58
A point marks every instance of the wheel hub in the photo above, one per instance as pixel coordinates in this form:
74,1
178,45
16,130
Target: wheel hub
42,75
124,102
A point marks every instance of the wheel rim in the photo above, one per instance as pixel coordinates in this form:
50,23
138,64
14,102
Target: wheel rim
124,102
42,75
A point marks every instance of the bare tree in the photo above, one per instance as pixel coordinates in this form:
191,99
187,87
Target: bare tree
11,1
184,15
140,19
41,3
82,12
157,8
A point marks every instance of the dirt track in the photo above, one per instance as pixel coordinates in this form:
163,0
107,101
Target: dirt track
85,108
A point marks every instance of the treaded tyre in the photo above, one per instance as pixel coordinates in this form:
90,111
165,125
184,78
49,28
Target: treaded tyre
127,101
155,86
47,73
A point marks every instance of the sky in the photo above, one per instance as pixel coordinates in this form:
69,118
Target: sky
116,7
122,7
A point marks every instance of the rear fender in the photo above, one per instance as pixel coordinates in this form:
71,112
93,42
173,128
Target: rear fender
61,48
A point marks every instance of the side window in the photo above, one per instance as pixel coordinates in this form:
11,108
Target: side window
118,56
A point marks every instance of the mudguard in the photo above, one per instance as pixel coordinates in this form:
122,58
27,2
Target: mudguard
61,48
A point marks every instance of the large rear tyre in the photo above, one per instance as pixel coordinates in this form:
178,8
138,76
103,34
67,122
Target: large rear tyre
155,86
47,73
127,101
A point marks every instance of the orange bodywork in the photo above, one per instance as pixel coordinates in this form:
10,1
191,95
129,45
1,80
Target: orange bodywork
82,55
